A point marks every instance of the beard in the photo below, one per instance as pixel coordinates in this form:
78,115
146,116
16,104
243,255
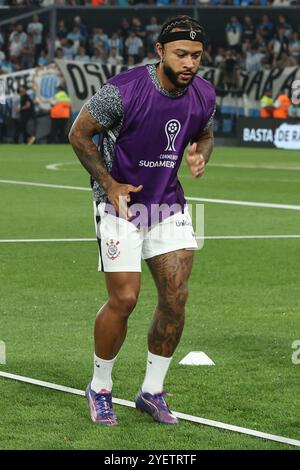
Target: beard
173,76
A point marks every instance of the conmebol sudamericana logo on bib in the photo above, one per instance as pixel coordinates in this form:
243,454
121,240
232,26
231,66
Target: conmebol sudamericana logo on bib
172,129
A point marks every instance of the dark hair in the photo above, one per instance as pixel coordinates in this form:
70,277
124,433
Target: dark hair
183,22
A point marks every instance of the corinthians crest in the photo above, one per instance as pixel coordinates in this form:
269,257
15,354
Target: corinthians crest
172,129
112,249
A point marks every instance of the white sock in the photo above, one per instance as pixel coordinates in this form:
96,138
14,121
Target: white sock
157,368
102,374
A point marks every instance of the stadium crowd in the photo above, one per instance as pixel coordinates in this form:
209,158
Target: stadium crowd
246,45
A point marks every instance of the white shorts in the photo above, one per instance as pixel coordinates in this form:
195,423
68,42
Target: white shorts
122,245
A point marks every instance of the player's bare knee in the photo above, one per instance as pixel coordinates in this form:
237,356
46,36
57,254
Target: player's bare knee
124,304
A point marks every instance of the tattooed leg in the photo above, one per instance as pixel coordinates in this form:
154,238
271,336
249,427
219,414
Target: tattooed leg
170,272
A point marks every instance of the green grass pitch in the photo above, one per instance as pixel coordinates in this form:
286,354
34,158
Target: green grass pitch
243,309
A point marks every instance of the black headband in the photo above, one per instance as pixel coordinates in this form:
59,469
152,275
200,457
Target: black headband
181,35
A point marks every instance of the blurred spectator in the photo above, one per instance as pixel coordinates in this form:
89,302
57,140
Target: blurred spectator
99,55
207,60
278,45
28,53
253,59
229,76
152,32
60,114
61,30
116,42
233,31
220,56
137,28
18,29
3,127
151,58
260,40
100,39
15,46
114,58
124,29
265,28
1,39
282,23
131,61
6,65
82,27
134,47
2,57
43,59
285,60
27,116
69,49
267,105
248,29
294,111
82,55
35,28
281,3
15,116
294,47
281,106
59,53
75,36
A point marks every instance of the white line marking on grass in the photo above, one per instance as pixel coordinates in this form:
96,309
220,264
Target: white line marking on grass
213,237
246,237
45,185
197,199
56,166
256,167
245,203
49,240
130,404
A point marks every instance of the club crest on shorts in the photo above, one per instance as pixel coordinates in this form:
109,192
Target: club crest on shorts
112,249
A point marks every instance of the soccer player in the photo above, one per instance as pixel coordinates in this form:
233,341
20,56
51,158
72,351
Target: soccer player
145,117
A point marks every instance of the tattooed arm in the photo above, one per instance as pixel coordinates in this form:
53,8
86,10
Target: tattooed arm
200,152
81,138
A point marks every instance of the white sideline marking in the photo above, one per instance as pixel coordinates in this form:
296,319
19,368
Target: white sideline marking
44,185
49,240
217,237
130,404
247,237
56,166
256,167
245,203
197,199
